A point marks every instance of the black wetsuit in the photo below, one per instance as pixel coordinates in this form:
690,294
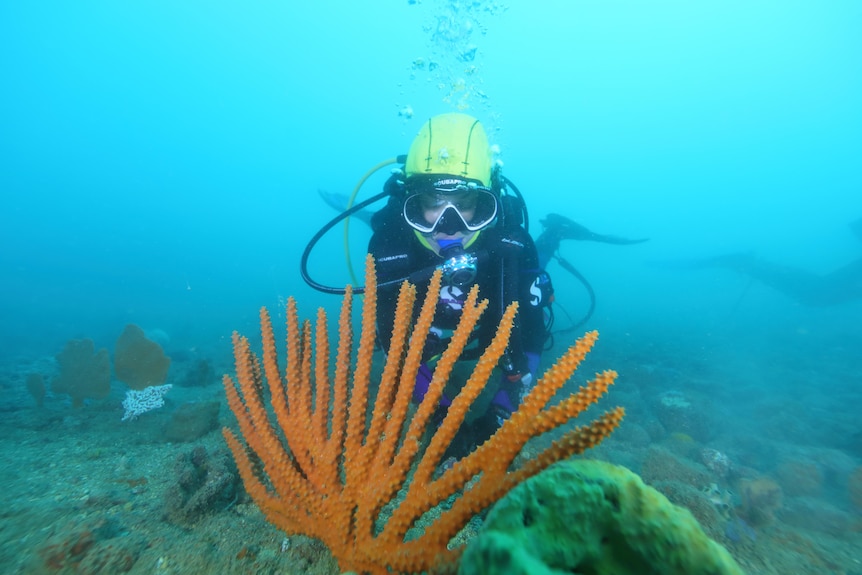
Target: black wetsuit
506,270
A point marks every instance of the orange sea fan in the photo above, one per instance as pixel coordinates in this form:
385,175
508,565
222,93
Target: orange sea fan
320,467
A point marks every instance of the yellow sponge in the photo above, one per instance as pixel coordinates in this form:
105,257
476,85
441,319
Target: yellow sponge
593,518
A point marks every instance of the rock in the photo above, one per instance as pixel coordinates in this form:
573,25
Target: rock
680,413
662,465
588,516
816,514
204,483
191,421
799,477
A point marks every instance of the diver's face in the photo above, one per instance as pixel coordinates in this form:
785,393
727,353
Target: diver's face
450,211
434,206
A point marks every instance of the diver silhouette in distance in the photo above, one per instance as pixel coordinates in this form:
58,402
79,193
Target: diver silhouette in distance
808,288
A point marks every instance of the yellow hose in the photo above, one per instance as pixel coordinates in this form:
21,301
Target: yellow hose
350,203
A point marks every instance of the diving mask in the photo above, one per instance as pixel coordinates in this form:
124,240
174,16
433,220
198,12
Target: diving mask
450,205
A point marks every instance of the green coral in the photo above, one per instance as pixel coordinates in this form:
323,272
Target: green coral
592,518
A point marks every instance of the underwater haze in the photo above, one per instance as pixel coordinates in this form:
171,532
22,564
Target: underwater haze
161,165
161,161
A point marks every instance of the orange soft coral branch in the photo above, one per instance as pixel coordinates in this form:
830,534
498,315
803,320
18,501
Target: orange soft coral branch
319,466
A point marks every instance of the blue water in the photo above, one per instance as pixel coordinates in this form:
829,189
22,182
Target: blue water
160,165
160,161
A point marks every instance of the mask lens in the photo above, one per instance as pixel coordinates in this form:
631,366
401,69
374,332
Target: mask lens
484,210
476,208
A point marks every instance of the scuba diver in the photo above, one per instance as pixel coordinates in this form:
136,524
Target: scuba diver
807,288
449,207
557,228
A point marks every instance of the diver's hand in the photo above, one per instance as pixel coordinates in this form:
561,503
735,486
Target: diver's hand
517,386
524,384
